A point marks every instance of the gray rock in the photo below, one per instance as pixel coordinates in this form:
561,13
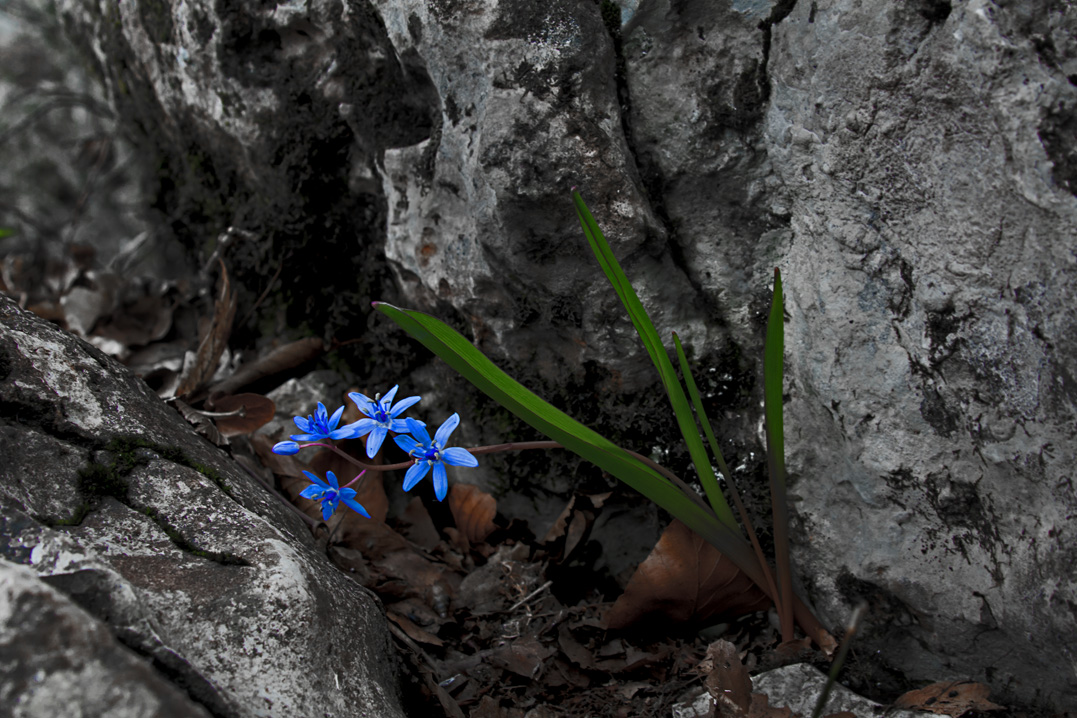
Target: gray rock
199,582
910,167
799,686
59,660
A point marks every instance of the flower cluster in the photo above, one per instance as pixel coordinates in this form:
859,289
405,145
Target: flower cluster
381,417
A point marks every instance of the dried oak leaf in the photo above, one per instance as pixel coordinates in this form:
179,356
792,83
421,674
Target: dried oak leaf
952,698
524,657
414,631
473,510
685,579
418,526
214,340
249,413
761,708
727,679
279,360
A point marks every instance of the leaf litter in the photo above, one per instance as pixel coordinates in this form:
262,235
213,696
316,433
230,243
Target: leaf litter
466,591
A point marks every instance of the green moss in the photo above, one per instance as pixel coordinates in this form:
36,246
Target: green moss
224,558
99,480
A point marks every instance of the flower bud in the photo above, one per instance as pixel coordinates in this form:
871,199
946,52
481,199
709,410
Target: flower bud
287,448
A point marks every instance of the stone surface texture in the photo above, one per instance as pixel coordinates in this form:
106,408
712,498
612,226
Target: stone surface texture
165,572
909,165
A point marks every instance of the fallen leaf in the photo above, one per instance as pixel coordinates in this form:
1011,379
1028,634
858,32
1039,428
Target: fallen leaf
473,510
249,412
418,526
577,527
279,360
727,679
761,709
524,657
685,579
201,423
409,627
951,698
214,340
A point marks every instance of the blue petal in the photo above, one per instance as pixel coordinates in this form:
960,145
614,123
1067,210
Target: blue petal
321,415
348,431
387,400
355,506
447,428
316,479
332,479
455,456
398,426
307,437
312,492
336,418
303,424
403,405
441,481
418,430
407,443
328,507
374,441
362,428
286,448
362,401
415,474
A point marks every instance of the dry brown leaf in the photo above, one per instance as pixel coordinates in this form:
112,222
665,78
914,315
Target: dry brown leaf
409,627
577,527
524,657
685,579
473,510
214,339
201,423
251,411
419,527
952,698
761,709
280,359
279,464
727,679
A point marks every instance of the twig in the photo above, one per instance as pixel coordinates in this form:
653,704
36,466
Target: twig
529,596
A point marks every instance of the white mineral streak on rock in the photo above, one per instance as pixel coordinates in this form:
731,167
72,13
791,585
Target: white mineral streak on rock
64,379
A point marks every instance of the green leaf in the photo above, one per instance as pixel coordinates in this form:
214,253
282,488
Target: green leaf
657,351
773,360
474,366
6,232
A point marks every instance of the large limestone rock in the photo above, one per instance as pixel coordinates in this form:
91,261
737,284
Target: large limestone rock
143,572
909,165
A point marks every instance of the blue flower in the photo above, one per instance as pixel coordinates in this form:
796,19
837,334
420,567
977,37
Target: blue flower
330,495
381,417
429,453
322,426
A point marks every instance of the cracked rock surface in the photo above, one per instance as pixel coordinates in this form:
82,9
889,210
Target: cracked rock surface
167,581
909,165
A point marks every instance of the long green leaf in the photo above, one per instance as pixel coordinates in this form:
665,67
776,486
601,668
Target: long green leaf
697,402
474,366
657,351
773,360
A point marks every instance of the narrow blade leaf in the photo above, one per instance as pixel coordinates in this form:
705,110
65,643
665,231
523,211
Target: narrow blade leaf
657,351
773,359
474,366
